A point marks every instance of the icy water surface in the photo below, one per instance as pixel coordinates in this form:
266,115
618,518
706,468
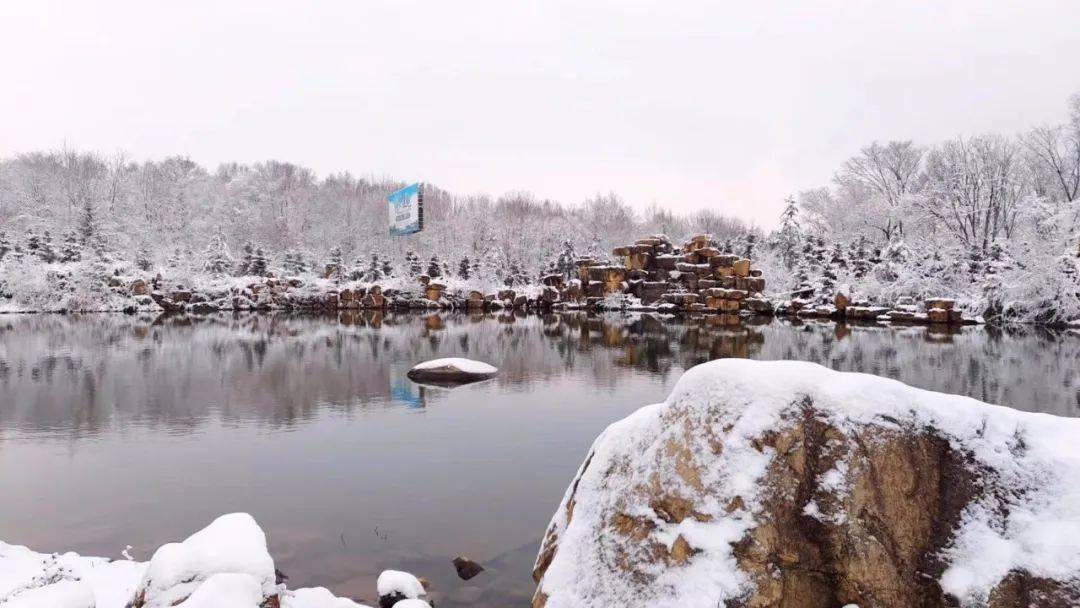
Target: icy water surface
119,430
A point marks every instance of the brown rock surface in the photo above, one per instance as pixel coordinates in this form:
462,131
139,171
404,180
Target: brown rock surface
774,485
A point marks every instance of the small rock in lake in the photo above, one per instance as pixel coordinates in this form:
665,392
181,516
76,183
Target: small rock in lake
451,371
466,568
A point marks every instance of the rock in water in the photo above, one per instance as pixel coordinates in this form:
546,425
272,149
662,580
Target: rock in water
451,372
466,568
761,484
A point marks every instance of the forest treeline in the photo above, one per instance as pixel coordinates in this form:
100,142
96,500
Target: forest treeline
991,219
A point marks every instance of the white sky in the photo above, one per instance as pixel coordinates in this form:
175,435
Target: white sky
689,104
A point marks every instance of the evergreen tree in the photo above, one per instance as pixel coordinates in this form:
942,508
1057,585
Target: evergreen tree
218,261
790,232
566,259
374,270
294,263
143,259
71,249
335,268
463,268
259,265
412,263
5,245
46,251
248,254
748,249
387,268
434,269
726,247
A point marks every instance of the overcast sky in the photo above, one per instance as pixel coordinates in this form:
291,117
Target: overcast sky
688,104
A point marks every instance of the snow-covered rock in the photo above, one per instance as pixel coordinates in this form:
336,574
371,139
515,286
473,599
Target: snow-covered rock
62,594
785,483
451,370
227,590
316,597
394,586
224,565
232,544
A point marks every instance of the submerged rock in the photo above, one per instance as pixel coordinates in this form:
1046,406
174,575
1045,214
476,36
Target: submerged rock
451,371
760,484
466,568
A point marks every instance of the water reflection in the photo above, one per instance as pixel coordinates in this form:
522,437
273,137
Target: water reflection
79,375
117,429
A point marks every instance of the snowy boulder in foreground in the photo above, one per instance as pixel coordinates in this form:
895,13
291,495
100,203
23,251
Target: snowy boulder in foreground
233,544
396,587
787,484
451,371
224,565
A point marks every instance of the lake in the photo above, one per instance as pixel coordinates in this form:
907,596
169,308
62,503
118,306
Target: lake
124,430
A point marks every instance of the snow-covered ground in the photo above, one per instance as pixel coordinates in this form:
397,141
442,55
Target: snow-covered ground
225,565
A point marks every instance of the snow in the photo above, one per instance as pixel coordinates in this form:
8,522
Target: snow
226,590
412,604
317,597
64,594
468,366
224,565
1039,534
233,543
396,581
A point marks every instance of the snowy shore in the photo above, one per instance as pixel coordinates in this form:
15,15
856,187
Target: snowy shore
225,565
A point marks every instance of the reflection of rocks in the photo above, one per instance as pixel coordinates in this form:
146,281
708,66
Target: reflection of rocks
779,484
76,355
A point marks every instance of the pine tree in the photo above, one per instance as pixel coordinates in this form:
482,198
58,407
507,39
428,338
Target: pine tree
248,253
789,233
434,269
294,263
143,260
412,263
387,268
90,228
71,249
726,247
748,249
566,260
463,268
259,265
374,270
335,268
46,251
5,245
218,261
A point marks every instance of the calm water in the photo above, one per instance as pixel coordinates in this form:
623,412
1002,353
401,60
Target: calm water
119,430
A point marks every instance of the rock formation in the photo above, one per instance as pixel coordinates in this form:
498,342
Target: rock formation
787,485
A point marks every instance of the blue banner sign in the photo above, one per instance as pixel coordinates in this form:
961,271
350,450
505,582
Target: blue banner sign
407,210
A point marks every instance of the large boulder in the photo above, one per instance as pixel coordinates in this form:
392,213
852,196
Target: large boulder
785,484
232,544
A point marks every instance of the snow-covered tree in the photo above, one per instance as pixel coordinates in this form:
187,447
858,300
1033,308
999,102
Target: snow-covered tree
789,235
217,260
247,256
434,268
71,248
